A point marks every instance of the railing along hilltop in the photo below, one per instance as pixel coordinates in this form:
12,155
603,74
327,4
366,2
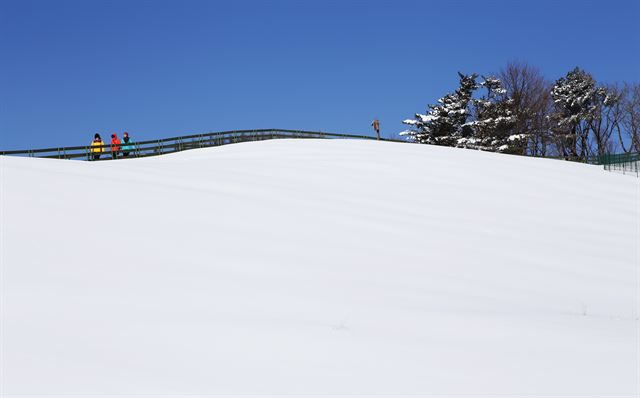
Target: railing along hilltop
177,144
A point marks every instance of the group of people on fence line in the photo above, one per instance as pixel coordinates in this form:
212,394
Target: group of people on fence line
117,147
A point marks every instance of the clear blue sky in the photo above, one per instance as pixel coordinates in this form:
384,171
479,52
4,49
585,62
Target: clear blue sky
69,69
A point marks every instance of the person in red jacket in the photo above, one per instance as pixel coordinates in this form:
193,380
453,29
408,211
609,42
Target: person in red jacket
115,145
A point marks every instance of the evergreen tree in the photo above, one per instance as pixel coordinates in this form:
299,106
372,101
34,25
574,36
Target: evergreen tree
577,100
494,121
444,123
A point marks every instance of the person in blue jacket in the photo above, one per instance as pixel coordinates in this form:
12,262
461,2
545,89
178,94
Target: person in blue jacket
127,146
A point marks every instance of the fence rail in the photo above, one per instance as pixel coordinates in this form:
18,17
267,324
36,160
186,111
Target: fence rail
181,143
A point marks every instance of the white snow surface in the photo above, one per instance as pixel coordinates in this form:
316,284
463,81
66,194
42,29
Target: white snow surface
319,267
427,118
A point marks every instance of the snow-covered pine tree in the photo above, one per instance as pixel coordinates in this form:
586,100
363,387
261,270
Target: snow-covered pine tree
576,99
443,123
492,129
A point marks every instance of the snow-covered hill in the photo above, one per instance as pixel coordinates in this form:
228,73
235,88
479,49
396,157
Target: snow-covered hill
319,267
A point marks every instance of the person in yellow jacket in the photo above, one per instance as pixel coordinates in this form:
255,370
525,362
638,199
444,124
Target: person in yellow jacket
96,147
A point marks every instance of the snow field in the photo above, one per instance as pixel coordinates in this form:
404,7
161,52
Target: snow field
319,267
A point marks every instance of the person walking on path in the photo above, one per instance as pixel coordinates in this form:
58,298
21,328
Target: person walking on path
376,127
96,147
126,146
115,145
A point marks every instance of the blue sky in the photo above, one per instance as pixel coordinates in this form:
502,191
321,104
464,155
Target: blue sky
165,68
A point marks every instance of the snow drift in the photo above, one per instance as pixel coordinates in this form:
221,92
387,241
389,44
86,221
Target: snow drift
319,267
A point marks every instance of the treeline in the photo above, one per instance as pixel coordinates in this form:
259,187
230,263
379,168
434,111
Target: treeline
518,111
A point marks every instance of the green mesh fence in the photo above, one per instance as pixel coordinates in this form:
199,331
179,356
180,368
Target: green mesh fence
625,163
